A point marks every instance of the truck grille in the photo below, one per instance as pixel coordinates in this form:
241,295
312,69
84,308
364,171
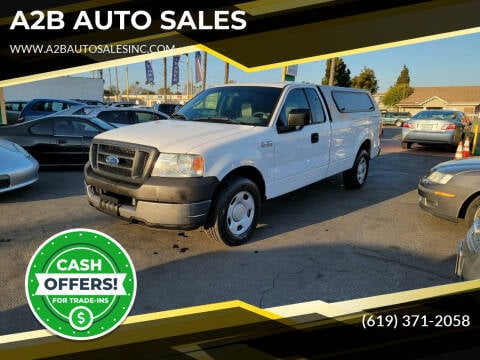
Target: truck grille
122,161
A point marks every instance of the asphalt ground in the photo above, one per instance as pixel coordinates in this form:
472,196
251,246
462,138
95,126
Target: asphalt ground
322,242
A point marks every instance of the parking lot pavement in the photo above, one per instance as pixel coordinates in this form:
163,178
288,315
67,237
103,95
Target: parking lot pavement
322,242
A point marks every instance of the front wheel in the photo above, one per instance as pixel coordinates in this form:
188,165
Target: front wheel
357,175
235,212
473,211
406,145
398,123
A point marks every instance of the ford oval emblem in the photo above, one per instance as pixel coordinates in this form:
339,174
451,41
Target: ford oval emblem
112,160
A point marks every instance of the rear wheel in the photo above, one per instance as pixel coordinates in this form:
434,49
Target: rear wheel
357,175
235,212
398,123
406,145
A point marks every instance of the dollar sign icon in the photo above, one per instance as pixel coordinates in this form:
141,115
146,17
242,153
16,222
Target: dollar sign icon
80,318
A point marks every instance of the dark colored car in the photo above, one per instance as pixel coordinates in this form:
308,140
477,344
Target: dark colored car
13,108
56,140
124,116
36,108
451,190
90,102
168,109
121,104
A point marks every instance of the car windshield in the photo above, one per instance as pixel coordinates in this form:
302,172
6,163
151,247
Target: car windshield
245,105
104,125
437,115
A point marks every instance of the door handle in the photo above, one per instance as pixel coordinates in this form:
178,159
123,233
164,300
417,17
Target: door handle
314,138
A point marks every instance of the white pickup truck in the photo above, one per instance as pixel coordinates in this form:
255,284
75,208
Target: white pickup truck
227,150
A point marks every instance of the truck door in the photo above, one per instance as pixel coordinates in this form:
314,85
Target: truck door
301,152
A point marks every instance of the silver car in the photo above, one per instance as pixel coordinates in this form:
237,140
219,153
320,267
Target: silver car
451,190
439,127
17,167
468,254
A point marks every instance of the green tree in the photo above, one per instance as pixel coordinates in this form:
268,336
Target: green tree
341,76
404,77
366,80
400,90
396,93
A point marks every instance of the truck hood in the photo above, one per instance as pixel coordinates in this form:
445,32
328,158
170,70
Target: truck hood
176,136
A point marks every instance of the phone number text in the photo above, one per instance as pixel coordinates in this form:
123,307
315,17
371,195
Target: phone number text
395,321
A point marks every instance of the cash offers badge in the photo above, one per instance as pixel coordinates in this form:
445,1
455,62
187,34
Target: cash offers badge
80,284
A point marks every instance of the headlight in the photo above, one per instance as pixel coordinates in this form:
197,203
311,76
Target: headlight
473,237
439,177
178,165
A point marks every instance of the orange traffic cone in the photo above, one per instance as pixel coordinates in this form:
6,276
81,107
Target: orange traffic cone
459,153
466,147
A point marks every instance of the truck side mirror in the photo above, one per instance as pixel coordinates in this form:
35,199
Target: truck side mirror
298,117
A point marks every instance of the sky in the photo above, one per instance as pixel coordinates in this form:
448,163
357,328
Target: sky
445,62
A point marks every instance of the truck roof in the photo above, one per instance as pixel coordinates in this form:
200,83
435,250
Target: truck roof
282,84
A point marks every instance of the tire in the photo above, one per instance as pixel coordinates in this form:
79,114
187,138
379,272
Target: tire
235,212
398,123
355,177
406,145
473,212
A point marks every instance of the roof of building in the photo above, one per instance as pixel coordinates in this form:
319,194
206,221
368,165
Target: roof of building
450,94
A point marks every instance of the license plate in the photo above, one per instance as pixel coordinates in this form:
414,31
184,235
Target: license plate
426,127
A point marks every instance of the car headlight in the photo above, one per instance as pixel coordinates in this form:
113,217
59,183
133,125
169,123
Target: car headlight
439,177
473,237
178,165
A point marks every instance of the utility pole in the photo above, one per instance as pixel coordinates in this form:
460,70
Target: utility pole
227,69
332,71
188,76
116,84
204,77
110,80
126,75
164,80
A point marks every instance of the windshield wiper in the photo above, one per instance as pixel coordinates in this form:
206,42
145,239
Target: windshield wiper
214,118
222,119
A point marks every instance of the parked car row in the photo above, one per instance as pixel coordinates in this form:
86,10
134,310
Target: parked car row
18,111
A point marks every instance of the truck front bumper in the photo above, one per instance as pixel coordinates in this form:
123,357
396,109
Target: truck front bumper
183,203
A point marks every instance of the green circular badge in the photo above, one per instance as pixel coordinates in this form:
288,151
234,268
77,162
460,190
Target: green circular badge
80,284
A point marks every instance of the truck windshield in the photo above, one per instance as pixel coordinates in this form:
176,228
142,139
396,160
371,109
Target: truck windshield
245,105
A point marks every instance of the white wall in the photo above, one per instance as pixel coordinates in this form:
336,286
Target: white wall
65,87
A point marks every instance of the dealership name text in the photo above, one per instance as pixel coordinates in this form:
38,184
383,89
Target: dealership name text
139,20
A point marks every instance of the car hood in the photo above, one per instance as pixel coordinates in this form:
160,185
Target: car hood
458,166
12,159
177,136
